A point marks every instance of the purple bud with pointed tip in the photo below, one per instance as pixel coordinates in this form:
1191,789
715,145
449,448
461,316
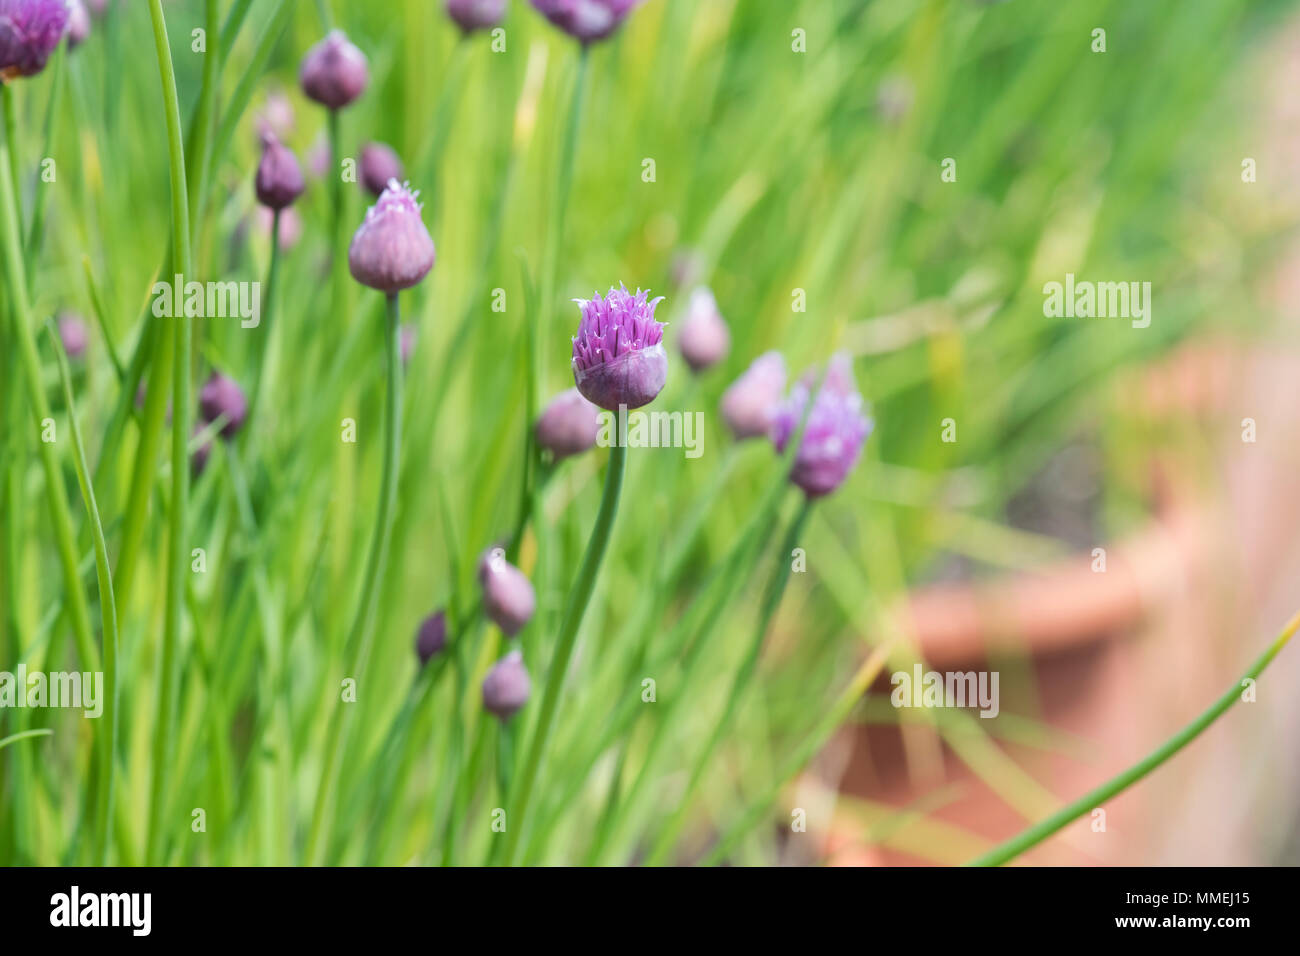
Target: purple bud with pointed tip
751,402
834,434
73,334
29,32
379,164
569,425
392,250
334,72
407,341
78,24
431,638
618,353
471,15
221,395
586,20
703,338
279,178
508,597
507,686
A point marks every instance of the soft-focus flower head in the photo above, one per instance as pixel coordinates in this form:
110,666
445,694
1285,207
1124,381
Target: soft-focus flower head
221,395
750,403
471,15
379,164
507,686
334,72
78,24
586,20
508,597
29,32
73,334
392,250
569,425
431,638
279,177
618,353
837,427
703,338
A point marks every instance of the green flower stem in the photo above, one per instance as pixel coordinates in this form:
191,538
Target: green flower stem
178,545
574,610
739,683
1005,852
108,618
36,231
362,625
198,144
24,735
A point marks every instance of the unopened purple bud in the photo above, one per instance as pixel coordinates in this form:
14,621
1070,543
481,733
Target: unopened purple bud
703,338
835,431
392,250
407,341
29,32
334,72
507,686
618,353
586,20
569,425
751,402
279,178
78,24
378,165
508,597
471,15
221,395
431,638
73,334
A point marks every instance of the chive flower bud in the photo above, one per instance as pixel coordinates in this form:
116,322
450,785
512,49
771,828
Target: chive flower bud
508,597
471,15
221,395
431,638
835,431
334,72
29,32
704,338
73,334
392,250
378,165
279,178
750,404
506,686
586,20
569,425
618,353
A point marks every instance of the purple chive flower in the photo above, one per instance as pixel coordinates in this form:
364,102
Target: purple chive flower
78,24
703,338
73,334
836,429
29,32
431,638
379,164
392,249
407,341
569,425
506,686
618,353
221,395
279,178
751,402
586,20
334,72
508,597
471,15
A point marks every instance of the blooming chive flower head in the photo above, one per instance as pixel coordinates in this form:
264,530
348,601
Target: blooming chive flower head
73,335
221,395
508,596
78,24
704,338
618,353
29,32
392,249
506,686
569,425
378,165
334,72
836,429
279,178
471,15
750,404
586,20
431,638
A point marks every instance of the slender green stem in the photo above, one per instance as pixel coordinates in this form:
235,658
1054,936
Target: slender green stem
108,618
574,611
363,623
1039,832
177,563
36,231
24,735
268,308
